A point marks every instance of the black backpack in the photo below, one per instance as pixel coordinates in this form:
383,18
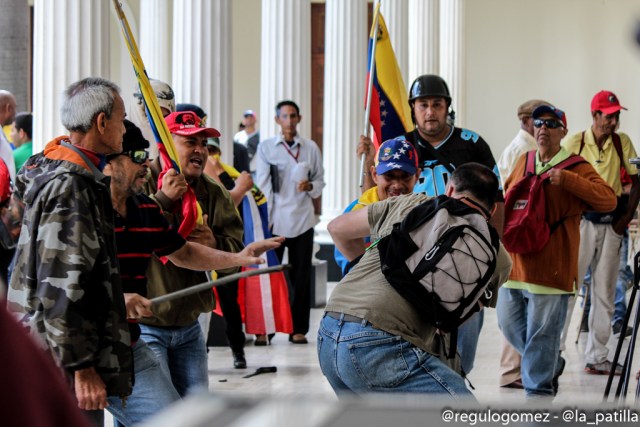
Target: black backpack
441,258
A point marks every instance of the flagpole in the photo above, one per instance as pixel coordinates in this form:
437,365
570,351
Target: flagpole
372,69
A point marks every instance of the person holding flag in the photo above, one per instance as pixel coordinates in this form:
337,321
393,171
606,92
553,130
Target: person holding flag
174,332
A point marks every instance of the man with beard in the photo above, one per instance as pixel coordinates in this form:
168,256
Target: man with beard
142,230
601,233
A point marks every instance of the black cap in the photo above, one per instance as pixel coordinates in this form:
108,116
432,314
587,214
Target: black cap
192,107
133,139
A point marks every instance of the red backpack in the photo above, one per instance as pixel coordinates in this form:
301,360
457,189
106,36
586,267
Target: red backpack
525,227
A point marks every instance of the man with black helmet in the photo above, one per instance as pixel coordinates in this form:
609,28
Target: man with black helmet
441,148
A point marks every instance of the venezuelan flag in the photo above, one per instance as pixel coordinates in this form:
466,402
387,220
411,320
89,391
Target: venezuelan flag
191,210
390,114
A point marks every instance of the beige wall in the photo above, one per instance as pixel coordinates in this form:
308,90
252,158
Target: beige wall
514,50
246,57
560,50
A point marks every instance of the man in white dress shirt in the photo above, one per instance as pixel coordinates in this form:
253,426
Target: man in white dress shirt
289,171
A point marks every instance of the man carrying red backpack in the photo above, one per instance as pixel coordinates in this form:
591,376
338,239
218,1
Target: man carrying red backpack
601,233
532,304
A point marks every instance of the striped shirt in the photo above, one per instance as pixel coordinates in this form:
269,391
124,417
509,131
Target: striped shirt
142,233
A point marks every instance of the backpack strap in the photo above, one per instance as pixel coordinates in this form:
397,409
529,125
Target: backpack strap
530,163
573,159
617,144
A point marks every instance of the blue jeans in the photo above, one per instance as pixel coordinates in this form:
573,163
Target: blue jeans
357,358
533,323
182,354
468,334
152,391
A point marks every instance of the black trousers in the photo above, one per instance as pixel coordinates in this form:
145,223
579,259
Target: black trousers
228,299
300,253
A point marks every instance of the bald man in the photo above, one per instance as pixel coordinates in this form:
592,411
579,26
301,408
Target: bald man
7,114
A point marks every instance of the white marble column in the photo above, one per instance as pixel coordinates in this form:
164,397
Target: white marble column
202,62
344,78
285,71
71,42
424,43
395,13
452,53
155,38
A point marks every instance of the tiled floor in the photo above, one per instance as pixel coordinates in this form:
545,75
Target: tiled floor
299,373
298,379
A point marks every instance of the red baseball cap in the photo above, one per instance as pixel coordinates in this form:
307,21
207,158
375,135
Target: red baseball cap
187,123
607,102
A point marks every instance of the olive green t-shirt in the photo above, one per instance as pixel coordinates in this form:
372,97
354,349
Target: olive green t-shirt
364,292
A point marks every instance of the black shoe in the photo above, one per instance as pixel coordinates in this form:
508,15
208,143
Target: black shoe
298,339
617,328
517,384
239,362
555,382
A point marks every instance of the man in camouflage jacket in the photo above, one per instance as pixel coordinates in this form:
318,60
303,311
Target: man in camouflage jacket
65,286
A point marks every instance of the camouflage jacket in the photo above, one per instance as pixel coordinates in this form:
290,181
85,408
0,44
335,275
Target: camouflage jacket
65,286
224,220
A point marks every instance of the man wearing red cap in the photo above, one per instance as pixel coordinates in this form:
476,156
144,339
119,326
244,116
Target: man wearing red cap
174,333
601,234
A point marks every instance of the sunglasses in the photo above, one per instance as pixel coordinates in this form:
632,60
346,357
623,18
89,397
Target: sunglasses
136,156
549,123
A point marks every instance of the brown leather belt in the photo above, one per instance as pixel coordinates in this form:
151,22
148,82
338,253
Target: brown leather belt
345,317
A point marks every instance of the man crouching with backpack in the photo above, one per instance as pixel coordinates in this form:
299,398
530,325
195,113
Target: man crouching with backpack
371,338
532,305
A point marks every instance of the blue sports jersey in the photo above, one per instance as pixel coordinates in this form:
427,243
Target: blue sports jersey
459,147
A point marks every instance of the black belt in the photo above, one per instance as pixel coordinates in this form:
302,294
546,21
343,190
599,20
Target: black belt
345,317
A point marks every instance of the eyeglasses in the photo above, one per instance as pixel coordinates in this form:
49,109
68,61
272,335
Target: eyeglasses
549,123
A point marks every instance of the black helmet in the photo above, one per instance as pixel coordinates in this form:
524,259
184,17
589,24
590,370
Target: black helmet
429,85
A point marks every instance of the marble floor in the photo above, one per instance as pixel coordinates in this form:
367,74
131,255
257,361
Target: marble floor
298,377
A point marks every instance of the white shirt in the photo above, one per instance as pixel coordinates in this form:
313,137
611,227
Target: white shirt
290,211
6,154
522,143
242,137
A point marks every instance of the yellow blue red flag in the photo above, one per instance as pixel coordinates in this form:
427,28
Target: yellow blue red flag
390,115
191,211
